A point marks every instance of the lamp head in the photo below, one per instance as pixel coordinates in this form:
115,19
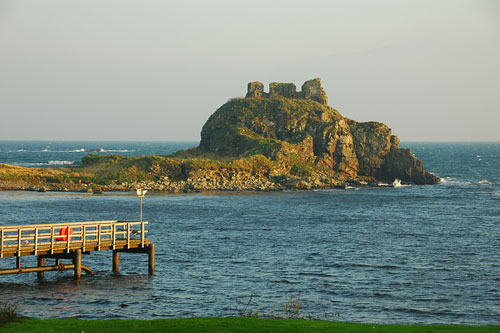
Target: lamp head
141,192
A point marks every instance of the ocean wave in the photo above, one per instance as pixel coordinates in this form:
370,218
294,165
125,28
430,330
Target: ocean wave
60,162
43,164
454,181
460,182
27,164
78,150
397,183
101,150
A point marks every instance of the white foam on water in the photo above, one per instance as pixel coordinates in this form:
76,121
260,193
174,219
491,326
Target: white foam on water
102,150
117,151
484,182
35,164
41,164
454,181
60,162
78,150
396,183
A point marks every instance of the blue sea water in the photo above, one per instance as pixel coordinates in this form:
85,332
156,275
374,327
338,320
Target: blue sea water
53,154
411,254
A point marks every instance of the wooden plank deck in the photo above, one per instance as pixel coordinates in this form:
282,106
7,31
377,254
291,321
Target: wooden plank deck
70,240
47,249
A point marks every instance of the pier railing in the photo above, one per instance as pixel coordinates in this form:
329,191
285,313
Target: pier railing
34,239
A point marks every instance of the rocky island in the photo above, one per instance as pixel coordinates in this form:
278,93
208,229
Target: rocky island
283,139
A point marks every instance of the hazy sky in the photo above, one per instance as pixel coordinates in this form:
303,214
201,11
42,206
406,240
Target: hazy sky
156,70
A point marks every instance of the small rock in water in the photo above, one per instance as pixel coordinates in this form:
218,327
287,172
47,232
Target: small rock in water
98,191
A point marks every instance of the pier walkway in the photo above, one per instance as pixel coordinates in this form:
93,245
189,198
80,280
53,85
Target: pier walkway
71,240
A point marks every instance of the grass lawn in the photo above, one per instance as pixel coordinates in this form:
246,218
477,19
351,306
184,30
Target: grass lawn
223,325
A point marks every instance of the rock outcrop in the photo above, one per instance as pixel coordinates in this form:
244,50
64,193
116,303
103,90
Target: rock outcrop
290,126
281,140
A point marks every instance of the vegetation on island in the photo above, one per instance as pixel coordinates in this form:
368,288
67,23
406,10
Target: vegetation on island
279,140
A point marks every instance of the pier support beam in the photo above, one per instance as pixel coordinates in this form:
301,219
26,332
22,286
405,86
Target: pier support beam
151,257
116,260
40,263
18,262
43,269
77,261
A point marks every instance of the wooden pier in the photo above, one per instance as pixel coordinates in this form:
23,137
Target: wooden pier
69,241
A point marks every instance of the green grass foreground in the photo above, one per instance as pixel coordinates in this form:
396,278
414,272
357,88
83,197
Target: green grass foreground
223,325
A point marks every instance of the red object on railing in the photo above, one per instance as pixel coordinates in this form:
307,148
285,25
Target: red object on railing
64,233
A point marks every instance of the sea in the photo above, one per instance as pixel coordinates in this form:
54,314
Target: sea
403,254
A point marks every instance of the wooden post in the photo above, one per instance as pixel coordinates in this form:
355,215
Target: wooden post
36,241
142,234
128,235
58,261
52,240
18,262
40,263
99,238
1,242
151,257
82,229
77,261
19,233
116,260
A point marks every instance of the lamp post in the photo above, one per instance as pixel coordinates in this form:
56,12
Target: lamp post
141,193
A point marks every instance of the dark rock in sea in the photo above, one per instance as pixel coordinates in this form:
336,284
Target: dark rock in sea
97,191
401,164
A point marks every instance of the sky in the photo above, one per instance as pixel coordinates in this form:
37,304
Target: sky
150,70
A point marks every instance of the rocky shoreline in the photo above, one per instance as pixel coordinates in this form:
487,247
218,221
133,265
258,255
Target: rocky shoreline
197,185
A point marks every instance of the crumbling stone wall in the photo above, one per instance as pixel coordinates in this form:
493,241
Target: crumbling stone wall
255,89
311,89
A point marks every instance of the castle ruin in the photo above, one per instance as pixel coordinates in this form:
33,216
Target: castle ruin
310,90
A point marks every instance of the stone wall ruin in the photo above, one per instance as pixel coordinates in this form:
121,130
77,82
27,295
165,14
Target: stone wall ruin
311,90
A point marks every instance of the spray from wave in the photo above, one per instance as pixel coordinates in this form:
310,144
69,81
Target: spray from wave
79,150
43,164
460,182
60,162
